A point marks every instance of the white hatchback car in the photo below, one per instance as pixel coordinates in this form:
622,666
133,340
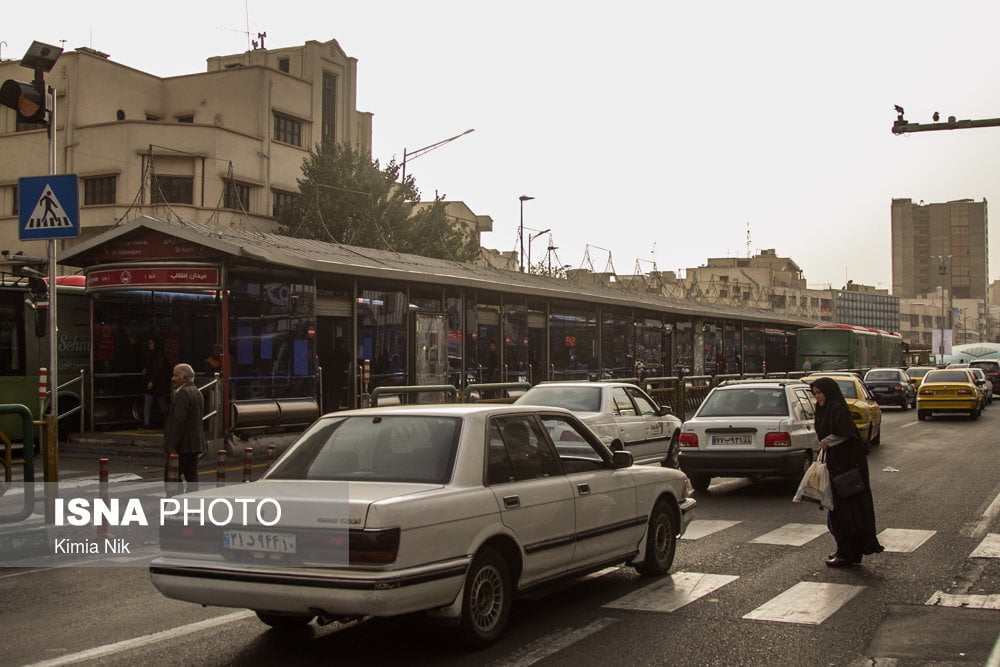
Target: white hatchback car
450,510
750,428
616,410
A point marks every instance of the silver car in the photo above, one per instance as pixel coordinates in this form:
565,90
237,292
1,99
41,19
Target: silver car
750,428
616,411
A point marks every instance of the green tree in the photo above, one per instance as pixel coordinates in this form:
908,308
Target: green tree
346,197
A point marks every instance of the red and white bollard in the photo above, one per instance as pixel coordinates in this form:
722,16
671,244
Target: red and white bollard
247,464
366,374
173,468
270,455
102,483
220,467
43,383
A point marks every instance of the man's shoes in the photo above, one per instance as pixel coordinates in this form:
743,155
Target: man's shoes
837,561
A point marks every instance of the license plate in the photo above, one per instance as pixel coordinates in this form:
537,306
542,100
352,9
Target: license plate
258,540
741,439
880,390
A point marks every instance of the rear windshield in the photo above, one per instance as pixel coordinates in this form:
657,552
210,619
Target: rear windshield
876,376
917,372
946,376
577,399
745,402
988,366
393,448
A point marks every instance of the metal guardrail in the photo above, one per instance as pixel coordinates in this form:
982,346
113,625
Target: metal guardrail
446,390
508,392
28,452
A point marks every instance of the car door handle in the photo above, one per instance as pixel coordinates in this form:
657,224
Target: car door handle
584,489
510,502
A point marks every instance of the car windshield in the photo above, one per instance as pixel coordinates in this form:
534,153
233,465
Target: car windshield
577,399
947,376
882,376
391,448
745,402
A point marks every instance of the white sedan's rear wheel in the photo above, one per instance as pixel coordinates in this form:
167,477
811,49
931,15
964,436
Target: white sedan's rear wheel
487,599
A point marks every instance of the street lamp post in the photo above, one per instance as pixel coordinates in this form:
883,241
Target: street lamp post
532,238
413,155
942,272
520,235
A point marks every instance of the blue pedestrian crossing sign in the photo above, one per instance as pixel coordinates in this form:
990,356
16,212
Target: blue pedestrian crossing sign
48,207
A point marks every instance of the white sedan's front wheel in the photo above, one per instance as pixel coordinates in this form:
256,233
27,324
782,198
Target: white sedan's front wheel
661,541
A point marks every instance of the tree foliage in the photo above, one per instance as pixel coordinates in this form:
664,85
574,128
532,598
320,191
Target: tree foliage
346,197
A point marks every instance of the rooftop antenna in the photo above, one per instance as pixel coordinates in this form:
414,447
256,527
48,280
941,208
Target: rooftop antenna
748,240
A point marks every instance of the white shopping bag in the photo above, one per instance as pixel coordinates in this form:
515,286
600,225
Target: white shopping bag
815,486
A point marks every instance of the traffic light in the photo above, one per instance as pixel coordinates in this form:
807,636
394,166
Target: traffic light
25,98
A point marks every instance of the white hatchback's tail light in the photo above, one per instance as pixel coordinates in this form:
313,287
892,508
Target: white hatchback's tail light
688,439
777,439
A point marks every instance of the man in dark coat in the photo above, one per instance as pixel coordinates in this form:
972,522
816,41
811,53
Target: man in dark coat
183,431
852,519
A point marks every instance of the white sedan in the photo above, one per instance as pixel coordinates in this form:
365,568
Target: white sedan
450,510
616,411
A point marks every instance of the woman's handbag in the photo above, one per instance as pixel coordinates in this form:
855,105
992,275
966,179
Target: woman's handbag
815,485
849,483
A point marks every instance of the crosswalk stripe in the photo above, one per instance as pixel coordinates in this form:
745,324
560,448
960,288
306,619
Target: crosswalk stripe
700,528
792,534
903,540
968,601
550,644
672,592
806,602
988,548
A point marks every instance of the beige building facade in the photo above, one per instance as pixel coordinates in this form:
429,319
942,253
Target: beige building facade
223,147
940,244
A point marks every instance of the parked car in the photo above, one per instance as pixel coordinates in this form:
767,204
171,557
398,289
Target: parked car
949,390
749,428
992,369
891,386
616,410
449,510
865,411
983,384
917,373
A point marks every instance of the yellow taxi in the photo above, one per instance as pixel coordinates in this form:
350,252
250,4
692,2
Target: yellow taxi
917,373
865,411
950,390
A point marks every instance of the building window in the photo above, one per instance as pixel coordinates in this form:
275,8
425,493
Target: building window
185,119
329,106
287,130
13,199
152,117
284,64
99,190
279,200
237,196
172,190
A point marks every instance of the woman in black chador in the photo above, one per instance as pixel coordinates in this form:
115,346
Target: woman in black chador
852,520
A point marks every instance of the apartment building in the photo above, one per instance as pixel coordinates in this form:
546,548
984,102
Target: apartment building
940,244
222,147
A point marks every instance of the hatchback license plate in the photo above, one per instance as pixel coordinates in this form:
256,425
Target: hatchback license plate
261,541
740,439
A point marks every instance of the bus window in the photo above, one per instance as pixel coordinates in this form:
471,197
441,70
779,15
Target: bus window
11,334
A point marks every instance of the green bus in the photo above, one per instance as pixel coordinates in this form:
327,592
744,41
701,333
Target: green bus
840,347
24,347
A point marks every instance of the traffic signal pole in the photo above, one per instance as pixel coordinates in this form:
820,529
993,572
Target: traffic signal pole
51,472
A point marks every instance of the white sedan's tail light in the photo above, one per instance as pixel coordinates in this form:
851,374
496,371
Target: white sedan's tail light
688,439
777,439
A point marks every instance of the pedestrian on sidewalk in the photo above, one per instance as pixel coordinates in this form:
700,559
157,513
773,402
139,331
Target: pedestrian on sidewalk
183,432
156,375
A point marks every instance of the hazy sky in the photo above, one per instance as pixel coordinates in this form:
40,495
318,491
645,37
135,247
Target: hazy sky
657,131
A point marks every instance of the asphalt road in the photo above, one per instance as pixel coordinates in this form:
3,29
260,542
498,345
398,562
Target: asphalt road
734,596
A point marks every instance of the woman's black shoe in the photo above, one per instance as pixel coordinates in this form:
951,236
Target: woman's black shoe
839,562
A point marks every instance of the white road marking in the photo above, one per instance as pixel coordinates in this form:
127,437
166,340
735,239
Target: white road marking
969,601
910,424
672,592
700,528
806,602
793,534
550,644
988,548
903,540
146,640
979,529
